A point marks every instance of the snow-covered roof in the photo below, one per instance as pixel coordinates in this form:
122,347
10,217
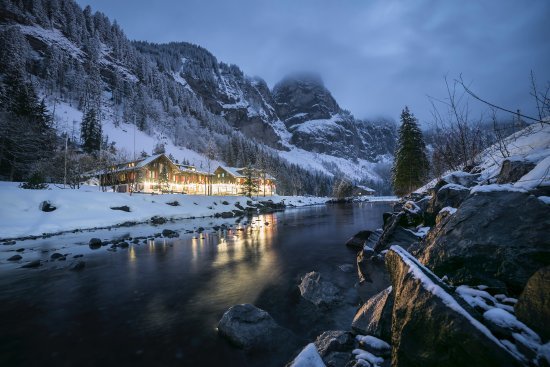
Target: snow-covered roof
233,171
365,188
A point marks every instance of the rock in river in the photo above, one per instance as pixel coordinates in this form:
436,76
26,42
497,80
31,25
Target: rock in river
252,328
95,243
317,291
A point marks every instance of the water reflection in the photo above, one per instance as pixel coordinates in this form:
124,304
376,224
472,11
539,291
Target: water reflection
163,298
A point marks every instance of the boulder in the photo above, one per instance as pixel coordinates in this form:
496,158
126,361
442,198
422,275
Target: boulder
77,266
251,328
533,306
462,178
374,317
430,327
512,170
394,233
449,195
32,264
95,243
47,206
358,240
373,276
15,258
56,255
508,228
319,292
335,347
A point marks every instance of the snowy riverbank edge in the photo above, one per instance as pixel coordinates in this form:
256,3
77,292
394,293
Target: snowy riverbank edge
88,208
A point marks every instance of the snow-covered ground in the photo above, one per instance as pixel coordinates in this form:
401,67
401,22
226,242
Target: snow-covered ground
88,207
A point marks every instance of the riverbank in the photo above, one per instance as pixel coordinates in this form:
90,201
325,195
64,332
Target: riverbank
31,212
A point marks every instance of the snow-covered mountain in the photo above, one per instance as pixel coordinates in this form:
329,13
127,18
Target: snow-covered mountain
181,95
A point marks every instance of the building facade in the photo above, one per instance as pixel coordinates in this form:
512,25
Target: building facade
158,174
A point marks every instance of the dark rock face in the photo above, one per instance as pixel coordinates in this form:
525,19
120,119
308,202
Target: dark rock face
509,228
47,206
395,234
319,292
358,240
512,170
158,220
251,328
432,328
533,307
373,275
335,347
374,317
95,243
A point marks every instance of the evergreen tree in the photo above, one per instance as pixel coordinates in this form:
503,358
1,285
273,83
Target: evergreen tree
90,131
250,184
411,166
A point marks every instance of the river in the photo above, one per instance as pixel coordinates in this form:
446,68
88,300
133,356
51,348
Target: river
158,303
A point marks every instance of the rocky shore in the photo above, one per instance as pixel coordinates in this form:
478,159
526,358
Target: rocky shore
459,275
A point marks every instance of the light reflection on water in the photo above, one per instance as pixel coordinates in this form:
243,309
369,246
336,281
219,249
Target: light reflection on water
158,303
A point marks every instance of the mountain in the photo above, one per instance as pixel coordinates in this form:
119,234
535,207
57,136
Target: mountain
182,97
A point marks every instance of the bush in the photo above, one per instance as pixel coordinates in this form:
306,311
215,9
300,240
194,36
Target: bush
35,182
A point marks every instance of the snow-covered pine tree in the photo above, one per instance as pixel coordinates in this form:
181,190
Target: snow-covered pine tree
90,131
411,165
250,184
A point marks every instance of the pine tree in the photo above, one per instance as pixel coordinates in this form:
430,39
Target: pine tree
411,166
90,132
250,184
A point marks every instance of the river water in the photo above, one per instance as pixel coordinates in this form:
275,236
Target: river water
158,303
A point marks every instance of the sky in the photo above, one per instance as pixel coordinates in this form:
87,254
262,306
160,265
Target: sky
375,56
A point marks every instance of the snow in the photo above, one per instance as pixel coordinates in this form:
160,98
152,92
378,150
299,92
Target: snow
537,177
373,342
52,37
453,187
88,208
506,320
369,357
545,199
496,187
420,232
448,209
419,272
308,357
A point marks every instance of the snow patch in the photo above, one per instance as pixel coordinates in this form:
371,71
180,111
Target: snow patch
308,357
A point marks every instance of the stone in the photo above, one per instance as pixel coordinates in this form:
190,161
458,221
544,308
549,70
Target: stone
124,208
373,274
449,195
78,266
533,306
33,264
319,292
496,238
158,220
358,240
95,243
56,255
374,317
430,327
15,258
47,206
394,234
513,170
123,244
335,347
251,328
170,233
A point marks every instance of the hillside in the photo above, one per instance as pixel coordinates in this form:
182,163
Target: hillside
180,95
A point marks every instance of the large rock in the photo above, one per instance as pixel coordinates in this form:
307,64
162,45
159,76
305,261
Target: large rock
461,178
450,195
373,276
512,170
317,291
432,328
252,328
335,347
496,238
47,206
394,233
358,240
374,317
533,306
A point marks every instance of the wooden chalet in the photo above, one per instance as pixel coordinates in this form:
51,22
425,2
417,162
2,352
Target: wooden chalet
230,180
155,174
158,174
